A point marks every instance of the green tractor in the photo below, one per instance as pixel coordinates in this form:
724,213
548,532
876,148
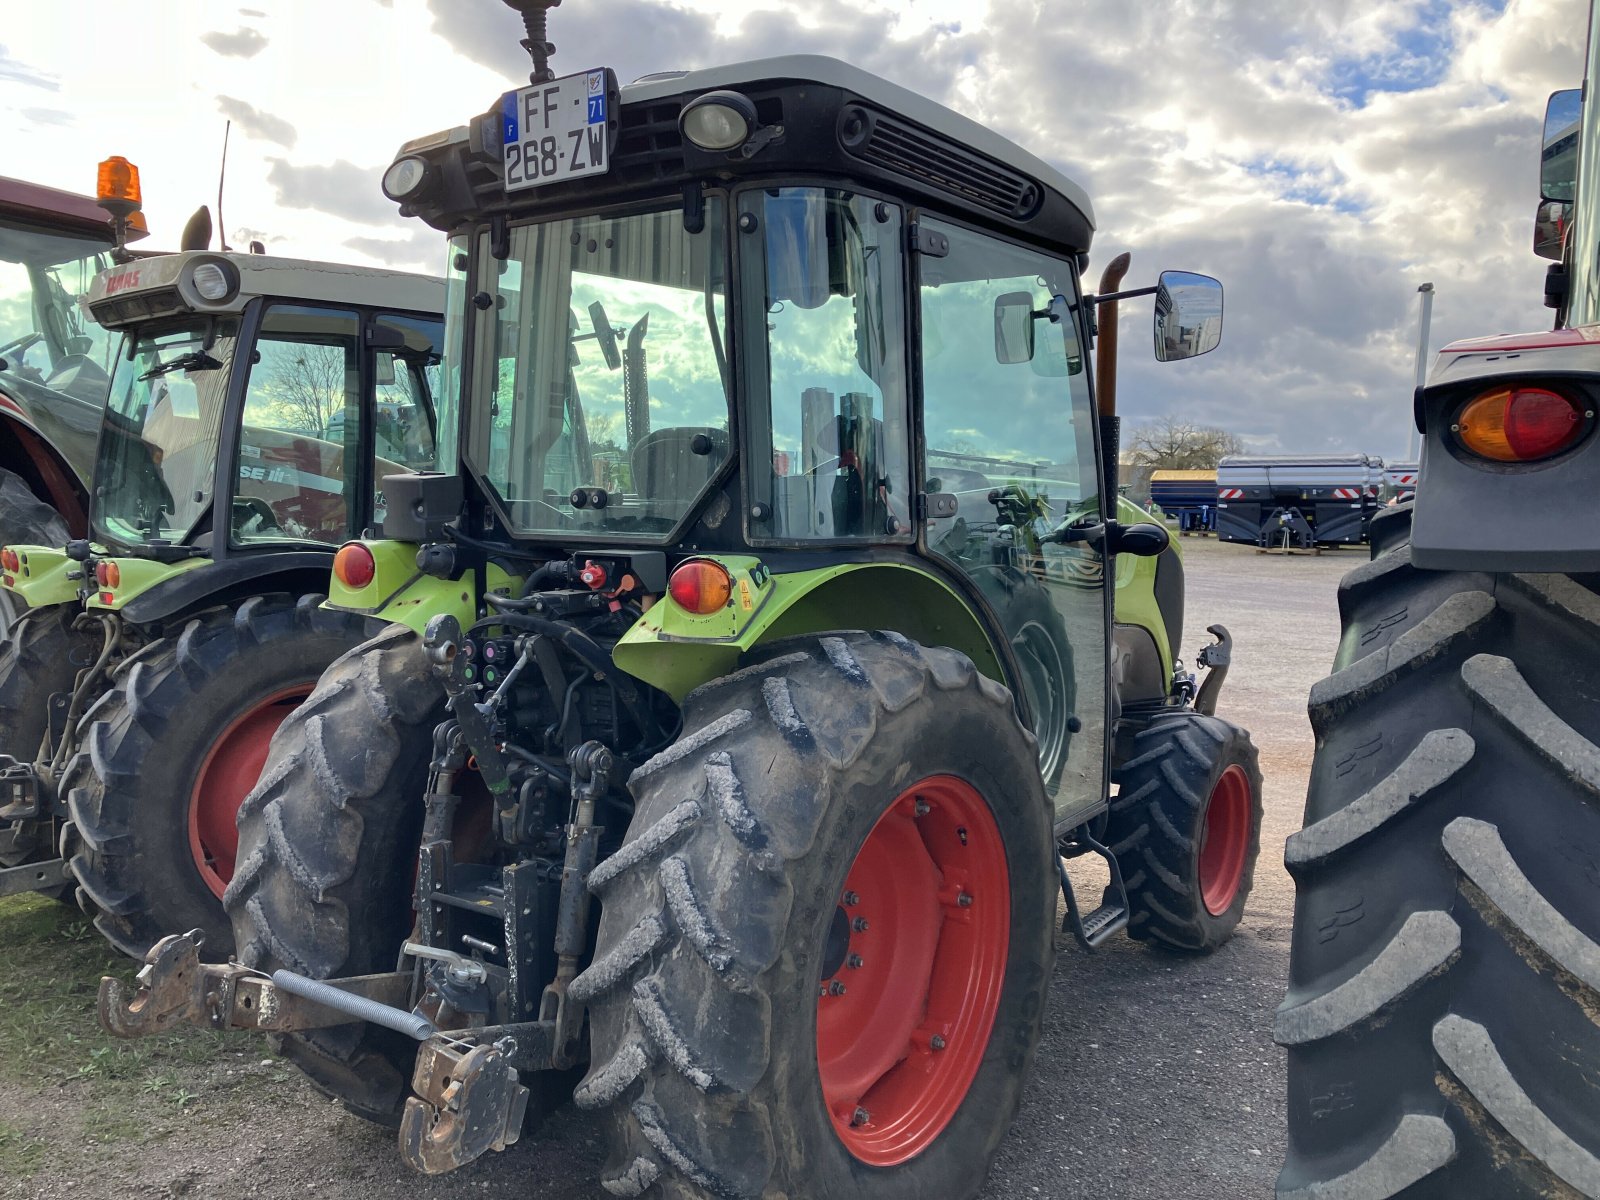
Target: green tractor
1443,1013
753,678
254,412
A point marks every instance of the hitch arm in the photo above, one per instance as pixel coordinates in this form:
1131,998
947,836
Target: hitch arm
1215,659
175,988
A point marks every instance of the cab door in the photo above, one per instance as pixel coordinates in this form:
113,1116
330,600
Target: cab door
1008,430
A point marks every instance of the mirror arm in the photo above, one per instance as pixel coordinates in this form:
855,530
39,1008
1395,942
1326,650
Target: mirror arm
1106,299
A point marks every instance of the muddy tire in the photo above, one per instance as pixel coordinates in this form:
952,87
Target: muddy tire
327,846
25,520
776,851
1445,973
1186,830
172,748
41,655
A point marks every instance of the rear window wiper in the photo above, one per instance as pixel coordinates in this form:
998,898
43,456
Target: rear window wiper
195,360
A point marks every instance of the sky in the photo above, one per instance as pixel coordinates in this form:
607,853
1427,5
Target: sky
1322,160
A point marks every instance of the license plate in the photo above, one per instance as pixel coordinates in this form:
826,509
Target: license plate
555,131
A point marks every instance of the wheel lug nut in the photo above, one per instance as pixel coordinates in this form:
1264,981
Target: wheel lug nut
851,899
836,988
859,924
854,962
937,1041
860,1117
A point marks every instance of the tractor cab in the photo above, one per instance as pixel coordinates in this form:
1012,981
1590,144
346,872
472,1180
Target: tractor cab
55,362
789,313
257,404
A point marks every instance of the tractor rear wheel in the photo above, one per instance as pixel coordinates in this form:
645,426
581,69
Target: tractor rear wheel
40,656
1441,1019
826,940
1186,830
327,849
171,750
25,520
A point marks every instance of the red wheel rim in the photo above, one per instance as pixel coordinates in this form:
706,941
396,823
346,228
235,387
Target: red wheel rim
918,946
1225,840
231,768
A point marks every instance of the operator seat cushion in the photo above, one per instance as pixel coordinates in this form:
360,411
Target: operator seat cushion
80,377
666,470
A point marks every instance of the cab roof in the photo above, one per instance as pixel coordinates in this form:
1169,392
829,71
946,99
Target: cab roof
831,72
115,296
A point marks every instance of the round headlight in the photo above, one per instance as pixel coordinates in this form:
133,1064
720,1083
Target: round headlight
211,282
214,280
405,178
718,120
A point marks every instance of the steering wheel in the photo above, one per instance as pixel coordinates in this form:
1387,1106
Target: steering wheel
23,342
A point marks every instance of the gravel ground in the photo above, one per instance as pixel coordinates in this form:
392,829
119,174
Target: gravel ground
1156,1078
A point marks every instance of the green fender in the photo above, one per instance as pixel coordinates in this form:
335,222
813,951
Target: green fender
404,595
676,651
1135,602
42,577
139,575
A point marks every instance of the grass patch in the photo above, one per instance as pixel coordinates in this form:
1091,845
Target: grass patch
21,1154
51,1041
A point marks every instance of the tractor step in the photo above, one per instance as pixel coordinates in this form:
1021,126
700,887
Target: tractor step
1111,918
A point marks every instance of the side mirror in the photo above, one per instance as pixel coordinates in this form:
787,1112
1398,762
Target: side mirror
1013,328
605,335
1558,157
1550,228
1144,540
1188,315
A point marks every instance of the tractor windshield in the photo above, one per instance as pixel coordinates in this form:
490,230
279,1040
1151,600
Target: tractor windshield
153,479
599,395
54,361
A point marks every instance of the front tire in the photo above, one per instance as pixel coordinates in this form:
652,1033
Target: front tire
840,876
1186,830
171,750
1445,973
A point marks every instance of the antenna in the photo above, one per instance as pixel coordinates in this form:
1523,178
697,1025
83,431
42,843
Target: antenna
539,48
222,175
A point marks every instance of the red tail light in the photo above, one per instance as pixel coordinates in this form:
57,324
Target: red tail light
108,574
10,560
1521,424
354,565
700,586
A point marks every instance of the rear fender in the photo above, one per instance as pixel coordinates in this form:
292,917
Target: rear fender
401,594
676,651
45,576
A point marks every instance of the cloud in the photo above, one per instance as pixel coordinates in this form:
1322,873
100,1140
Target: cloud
252,12
1322,160
340,189
48,116
14,70
257,123
421,249
242,43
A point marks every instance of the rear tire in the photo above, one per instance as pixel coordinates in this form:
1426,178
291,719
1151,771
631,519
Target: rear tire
1445,973
327,845
170,750
1186,830
720,1067
41,656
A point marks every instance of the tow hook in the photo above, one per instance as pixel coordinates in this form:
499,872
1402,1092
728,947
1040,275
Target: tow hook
468,1101
171,991
1215,659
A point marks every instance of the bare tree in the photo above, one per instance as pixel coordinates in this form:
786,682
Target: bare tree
1171,444
308,380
